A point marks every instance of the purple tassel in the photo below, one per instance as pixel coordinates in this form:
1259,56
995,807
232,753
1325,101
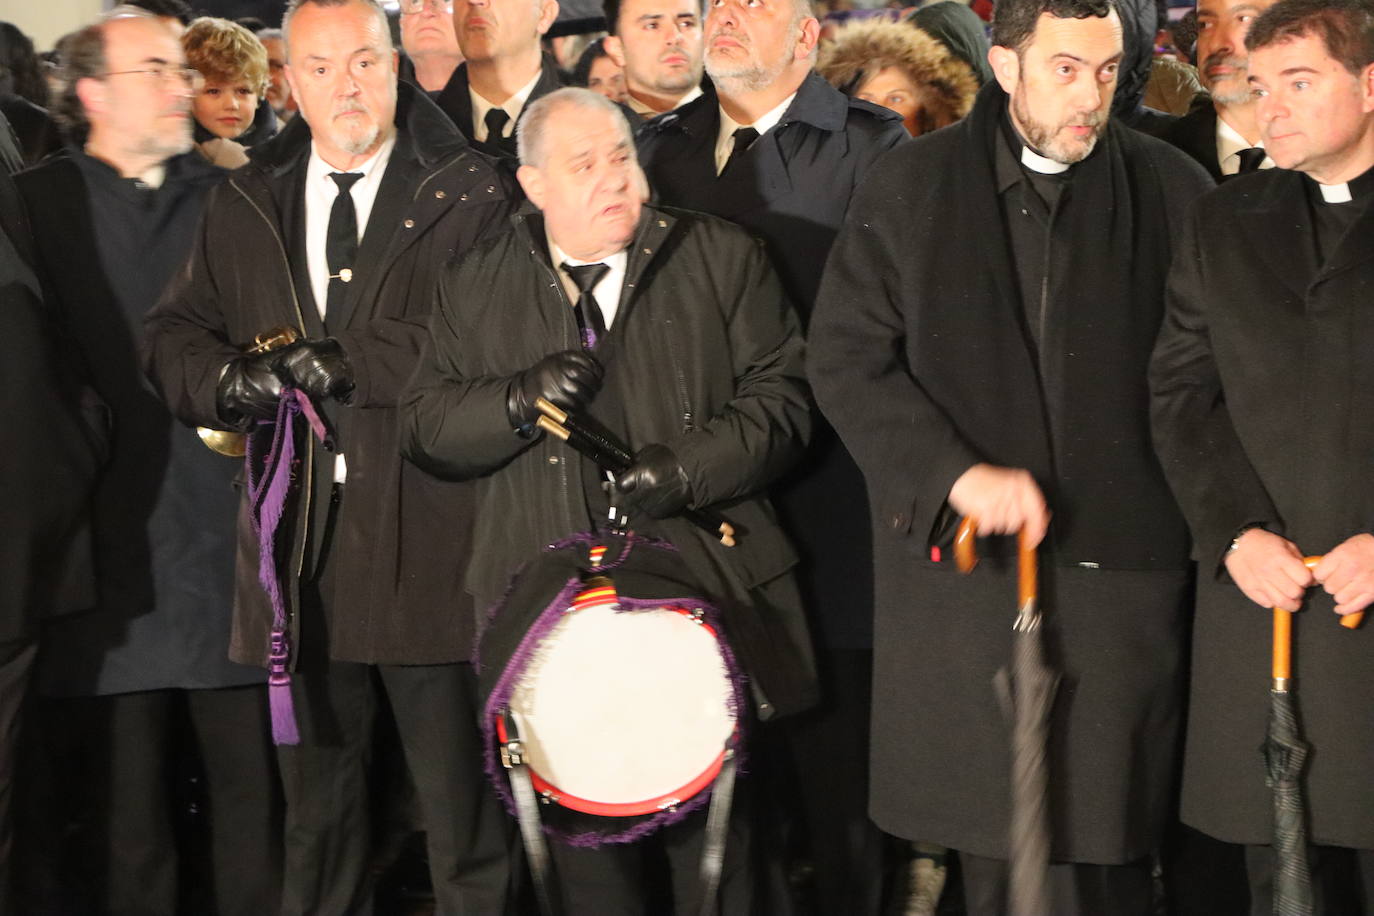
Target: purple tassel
268,499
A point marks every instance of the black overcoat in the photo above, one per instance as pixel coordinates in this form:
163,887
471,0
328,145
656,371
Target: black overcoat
704,356
920,357
163,512
1262,384
1196,134
51,455
456,101
400,536
792,190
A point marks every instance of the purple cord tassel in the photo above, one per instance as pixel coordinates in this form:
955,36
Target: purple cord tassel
269,499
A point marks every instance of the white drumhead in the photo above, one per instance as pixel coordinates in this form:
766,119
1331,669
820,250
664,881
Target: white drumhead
622,706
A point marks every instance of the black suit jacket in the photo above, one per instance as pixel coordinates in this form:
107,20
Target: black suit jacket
1196,134
457,104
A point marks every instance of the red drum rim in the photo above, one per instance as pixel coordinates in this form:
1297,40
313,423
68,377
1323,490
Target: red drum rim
666,801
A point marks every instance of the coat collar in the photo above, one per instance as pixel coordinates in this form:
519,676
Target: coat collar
455,102
817,103
1277,221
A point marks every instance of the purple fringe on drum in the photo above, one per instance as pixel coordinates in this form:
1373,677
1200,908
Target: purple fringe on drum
520,659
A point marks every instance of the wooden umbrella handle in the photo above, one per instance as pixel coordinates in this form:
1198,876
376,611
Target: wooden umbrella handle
1027,567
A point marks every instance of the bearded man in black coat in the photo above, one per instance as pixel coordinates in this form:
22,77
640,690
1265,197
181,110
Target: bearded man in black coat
339,228
1261,389
980,342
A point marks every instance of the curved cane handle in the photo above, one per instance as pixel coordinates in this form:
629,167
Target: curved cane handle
1027,568
1283,637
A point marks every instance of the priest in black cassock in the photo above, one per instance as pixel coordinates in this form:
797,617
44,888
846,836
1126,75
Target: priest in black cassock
980,343
1262,385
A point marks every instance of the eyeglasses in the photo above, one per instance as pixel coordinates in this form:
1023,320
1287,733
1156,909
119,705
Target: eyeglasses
191,79
411,7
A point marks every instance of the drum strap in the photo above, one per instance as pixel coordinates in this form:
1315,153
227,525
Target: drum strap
717,826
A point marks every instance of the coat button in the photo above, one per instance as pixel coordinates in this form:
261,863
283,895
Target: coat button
472,168
553,459
898,521
441,194
409,224
462,197
491,189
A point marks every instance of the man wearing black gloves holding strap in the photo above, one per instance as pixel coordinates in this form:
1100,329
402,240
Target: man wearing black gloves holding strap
672,330
339,228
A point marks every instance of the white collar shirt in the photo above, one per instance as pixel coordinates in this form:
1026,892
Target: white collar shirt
1229,146
511,106
608,288
725,140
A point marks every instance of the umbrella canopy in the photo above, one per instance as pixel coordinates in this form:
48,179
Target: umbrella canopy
1027,687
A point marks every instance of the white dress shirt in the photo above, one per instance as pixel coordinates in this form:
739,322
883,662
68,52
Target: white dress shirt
511,106
725,140
608,288
1229,145
320,192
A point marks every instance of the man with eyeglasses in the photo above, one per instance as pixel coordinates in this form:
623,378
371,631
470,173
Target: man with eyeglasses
113,219
505,69
427,37
339,228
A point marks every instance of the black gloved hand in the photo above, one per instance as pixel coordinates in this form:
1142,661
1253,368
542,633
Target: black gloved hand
249,388
320,368
656,484
569,379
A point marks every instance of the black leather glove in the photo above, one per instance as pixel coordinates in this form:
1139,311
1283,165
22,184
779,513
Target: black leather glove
320,368
569,379
656,484
248,389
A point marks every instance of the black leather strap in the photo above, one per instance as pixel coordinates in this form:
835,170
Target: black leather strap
717,827
531,827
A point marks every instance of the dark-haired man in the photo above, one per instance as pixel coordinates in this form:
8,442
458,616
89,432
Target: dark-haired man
658,43
1223,136
981,346
1274,271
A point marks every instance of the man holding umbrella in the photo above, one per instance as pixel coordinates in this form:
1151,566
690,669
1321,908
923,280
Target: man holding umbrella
981,347
1261,386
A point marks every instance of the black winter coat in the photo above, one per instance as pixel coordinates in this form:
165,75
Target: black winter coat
921,357
164,509
400,535
50,458
1262,385
793,190
704,356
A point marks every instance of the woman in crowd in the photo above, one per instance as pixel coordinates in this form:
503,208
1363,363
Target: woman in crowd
898,66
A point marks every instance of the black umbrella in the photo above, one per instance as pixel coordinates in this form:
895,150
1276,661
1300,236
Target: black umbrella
1285,752
1027,687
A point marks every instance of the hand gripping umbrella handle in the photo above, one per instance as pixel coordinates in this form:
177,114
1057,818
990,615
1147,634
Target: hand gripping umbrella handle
1283,639
1027,569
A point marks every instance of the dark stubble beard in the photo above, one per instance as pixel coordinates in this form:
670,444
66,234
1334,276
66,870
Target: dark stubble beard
1044,138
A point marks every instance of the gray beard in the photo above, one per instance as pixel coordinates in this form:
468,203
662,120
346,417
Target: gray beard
1043,139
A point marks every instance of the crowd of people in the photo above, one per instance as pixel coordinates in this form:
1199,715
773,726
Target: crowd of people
845,290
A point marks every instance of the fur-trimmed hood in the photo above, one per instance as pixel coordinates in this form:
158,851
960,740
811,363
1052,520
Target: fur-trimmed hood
861,49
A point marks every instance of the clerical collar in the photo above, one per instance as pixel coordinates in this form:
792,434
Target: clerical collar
1038,163
1357,188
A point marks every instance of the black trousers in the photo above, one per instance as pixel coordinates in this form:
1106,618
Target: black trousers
1076,889
106,831
326,780
16,664
1342,880
659,875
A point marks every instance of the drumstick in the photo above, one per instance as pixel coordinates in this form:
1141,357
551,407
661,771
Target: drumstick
704,519
590,430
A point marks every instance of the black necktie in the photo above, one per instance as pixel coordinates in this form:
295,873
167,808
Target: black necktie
1250,159
744,138
589,319
496,124
341,243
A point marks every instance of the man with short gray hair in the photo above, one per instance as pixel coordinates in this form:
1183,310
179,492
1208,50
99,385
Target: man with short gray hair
695,359
338,229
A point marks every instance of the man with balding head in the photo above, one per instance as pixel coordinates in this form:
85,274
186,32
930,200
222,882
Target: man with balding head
698,368
503,71
338,229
